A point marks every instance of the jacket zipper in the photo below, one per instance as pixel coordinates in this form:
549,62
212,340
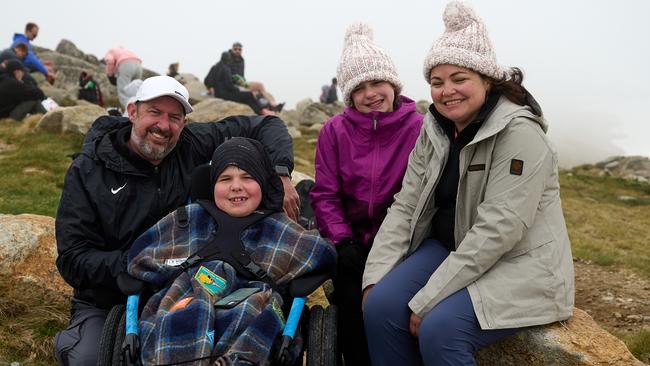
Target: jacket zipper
371,203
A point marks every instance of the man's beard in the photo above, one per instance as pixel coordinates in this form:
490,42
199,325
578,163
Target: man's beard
150,151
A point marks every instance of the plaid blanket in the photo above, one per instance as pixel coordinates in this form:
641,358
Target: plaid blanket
180,322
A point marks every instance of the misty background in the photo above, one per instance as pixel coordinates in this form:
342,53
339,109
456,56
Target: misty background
586,62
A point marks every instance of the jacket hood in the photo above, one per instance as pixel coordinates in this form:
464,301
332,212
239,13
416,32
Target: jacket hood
502,114
20,37
384,119
98,144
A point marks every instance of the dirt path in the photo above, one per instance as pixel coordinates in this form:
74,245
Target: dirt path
618,299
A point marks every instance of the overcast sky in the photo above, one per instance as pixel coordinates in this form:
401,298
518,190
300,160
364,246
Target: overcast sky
586,62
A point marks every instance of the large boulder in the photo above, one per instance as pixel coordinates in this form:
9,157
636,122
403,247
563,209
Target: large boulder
68,62
308,113
70,119
66,47
422,106
69,65
215,109
19,236
627,167
198,91
576,342
28,251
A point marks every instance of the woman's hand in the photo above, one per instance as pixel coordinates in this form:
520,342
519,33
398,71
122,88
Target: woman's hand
414,325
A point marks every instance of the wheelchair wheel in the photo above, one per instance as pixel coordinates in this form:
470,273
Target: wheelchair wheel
119,339
331,355
322,349
109,332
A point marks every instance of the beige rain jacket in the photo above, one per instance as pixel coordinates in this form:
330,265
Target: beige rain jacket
512,248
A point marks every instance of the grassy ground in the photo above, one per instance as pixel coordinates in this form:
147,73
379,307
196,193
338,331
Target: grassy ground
33,166
607,220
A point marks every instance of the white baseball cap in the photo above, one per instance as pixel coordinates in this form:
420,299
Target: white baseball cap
159,86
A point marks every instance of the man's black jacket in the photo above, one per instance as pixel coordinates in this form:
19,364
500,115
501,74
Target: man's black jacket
111,196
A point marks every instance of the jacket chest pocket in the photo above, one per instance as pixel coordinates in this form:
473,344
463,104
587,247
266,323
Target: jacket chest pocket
474,182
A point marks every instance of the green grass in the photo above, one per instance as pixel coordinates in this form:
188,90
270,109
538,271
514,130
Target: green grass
638,343
29,318
304,148
33,168
605,228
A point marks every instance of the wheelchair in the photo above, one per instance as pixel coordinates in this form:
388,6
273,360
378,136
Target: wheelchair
120,345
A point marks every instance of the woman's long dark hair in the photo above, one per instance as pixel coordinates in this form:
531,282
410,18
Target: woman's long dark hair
511,87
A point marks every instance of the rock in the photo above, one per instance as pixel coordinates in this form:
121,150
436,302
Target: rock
316,127
313,116
66,47
422,106
68,67
28,251
19,236
635,168
74,119
290,117
294,132
303,104
308,113
195,87
578,341
215,109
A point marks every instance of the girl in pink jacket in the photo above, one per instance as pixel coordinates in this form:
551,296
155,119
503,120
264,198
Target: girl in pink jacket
361,157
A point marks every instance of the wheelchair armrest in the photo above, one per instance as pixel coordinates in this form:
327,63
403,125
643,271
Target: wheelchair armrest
130,285
305,285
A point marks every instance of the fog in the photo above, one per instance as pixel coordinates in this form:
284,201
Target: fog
586,62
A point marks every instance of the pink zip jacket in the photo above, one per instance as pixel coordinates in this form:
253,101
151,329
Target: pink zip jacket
360,162
115,56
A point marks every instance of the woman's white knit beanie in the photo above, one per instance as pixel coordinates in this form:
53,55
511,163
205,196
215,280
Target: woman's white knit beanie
464,43
362,60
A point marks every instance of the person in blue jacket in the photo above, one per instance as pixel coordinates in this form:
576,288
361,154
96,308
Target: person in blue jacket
32,61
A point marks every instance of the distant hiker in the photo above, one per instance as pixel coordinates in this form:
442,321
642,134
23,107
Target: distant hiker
131,173
18,52
237,66
328,93
31,61
89,89
172,70
124,66
17,99
475,246
361,156
220,81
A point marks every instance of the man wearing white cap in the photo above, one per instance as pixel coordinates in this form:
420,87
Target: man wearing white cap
131,173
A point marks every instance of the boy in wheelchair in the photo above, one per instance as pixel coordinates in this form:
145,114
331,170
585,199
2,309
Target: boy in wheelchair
200,253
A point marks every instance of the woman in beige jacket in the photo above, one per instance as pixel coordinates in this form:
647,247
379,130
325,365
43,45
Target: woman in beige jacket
475,246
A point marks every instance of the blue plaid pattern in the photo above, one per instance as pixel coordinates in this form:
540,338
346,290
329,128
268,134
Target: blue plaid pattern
244,334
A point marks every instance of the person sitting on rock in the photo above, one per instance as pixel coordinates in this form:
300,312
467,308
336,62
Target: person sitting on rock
17,99
18,52
475,246
328,93
172,70
31,61
237,66
89,89
219,81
